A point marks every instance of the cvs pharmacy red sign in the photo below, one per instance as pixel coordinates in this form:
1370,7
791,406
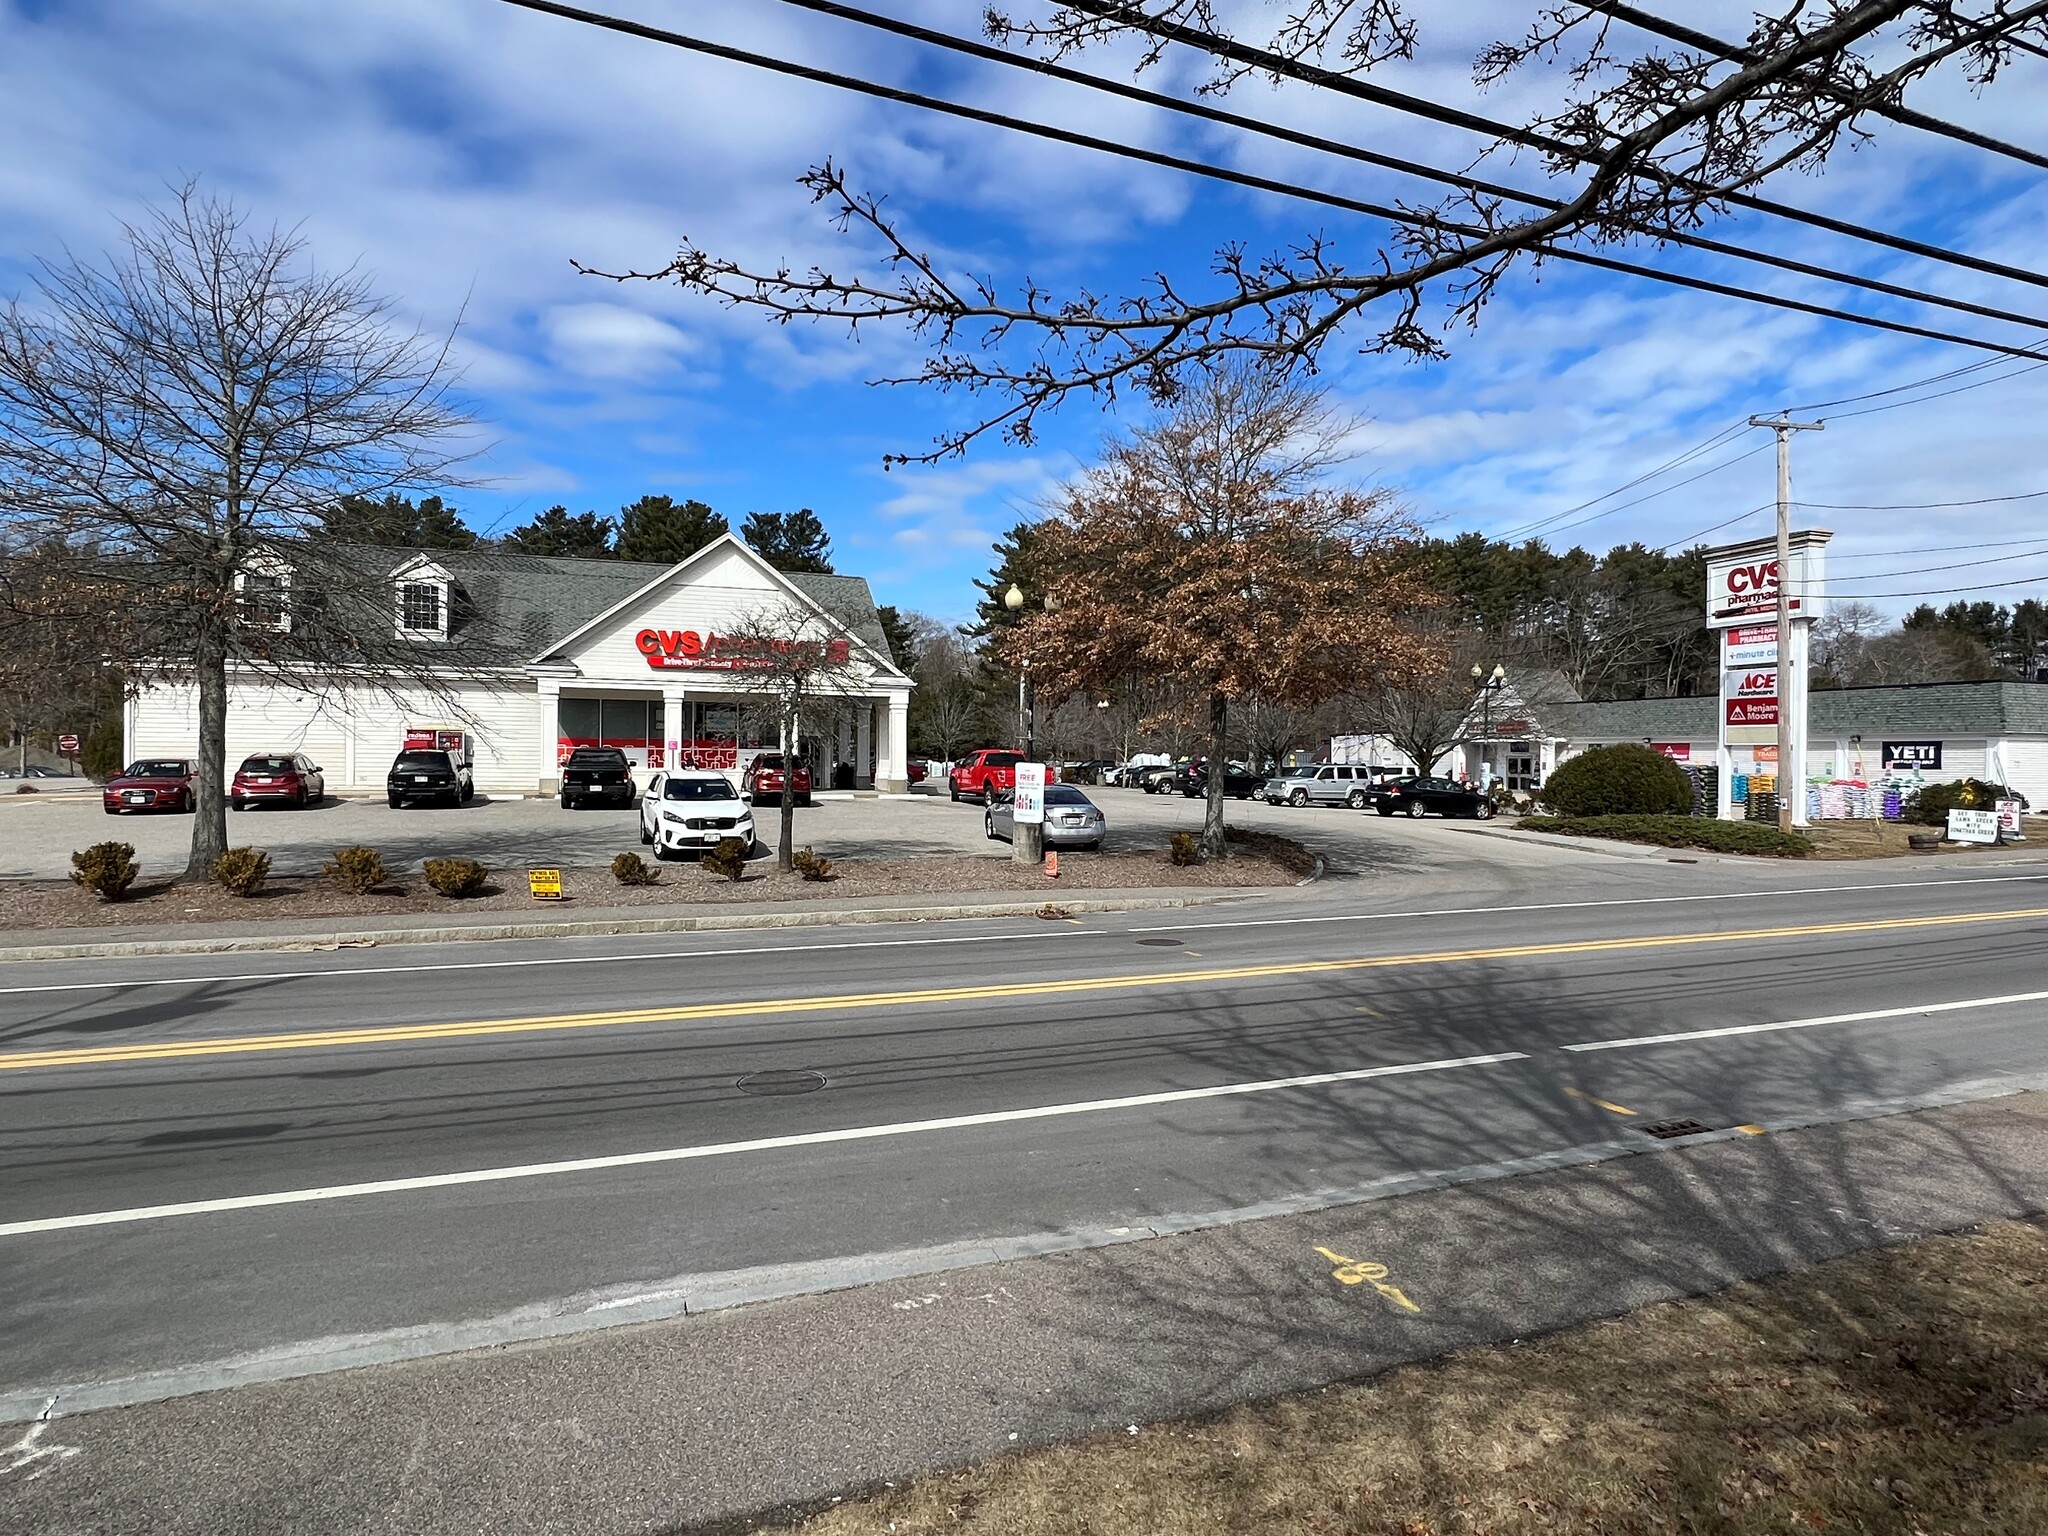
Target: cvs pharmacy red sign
679,650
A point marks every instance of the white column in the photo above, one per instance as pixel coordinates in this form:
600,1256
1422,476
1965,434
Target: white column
1792,709
548,777
675,707
863,744
892,773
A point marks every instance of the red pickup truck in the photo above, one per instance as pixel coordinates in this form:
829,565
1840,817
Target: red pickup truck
979,772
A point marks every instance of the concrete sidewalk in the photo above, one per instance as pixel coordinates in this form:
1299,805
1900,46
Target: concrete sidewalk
666,1425
554,922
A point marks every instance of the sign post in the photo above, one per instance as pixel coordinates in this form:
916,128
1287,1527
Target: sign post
1763,667
1027,814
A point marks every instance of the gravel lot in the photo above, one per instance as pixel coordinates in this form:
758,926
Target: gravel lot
39,833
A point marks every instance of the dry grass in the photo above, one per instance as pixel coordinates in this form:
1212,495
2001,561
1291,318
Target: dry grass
1903,1391
1885,840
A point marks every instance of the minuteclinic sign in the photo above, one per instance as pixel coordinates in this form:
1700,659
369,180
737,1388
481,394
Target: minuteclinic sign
1750,645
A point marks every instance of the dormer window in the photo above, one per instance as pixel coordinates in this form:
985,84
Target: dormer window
423,608
263,595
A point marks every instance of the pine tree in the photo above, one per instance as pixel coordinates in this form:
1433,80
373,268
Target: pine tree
398,521
790,541
663,530
555,532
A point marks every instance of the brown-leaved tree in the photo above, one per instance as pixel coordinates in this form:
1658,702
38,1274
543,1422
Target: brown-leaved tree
1209,549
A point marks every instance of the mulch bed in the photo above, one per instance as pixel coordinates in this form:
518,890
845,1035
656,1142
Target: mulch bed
60,904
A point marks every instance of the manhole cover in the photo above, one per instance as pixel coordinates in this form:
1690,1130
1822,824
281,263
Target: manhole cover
770,1084
1671,1130
1159,941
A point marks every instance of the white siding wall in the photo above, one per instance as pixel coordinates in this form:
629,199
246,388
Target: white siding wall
2026,768
353,733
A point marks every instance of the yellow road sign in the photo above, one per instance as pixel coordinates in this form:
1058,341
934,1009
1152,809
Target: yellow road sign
545,884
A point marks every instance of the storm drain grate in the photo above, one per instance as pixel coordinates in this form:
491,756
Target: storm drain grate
1671,1130
1159,941
772,1084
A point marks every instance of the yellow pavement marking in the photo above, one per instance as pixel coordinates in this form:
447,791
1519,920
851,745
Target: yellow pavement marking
1372,1013
1602,1103
1365,1272
1752,1130
393,1034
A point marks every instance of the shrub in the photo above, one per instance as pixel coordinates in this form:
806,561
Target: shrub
1753,837
240,871
106,868
1929,805
356,869
631,869
812,866
27,789
728,858
1184,848
1284,851
456,878
1625,780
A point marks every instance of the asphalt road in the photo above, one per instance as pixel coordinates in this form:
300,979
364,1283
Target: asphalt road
183,1141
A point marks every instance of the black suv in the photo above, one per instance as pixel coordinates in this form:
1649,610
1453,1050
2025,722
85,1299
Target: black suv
428,773
597,776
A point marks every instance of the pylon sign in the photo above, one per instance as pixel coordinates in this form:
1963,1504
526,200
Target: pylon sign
1763,694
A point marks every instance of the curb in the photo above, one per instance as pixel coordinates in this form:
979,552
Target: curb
601,928
695,1295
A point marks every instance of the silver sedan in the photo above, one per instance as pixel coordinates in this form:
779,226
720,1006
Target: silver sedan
1072,820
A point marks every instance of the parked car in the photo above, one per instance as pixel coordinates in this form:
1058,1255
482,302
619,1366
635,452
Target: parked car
1157,779
1279,787
423,773
596,776
1324,784
690,810
287,778
982,771
763,780
917,770
1072,820
1419,797
153,784
1239,783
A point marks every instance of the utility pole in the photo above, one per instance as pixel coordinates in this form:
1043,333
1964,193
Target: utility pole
1790,743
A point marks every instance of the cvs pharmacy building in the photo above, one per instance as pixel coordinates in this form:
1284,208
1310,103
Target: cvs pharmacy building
532,656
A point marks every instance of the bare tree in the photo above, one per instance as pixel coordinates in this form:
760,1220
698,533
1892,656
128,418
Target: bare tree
1423,711
177,421
1257,576
804,664
1639,141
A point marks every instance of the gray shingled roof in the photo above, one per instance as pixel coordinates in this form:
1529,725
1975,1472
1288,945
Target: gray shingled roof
521,605
1932,710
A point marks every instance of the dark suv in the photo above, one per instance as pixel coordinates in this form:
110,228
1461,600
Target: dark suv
597,776
424,773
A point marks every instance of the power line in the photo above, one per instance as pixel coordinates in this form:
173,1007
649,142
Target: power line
1740,517
1984,586
1714,469
1924,506
1225,174
1929,570
1262,59
1666,467
1204,112
1940,394
1899,113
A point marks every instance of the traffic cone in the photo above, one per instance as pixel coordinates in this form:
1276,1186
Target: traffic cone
1052,863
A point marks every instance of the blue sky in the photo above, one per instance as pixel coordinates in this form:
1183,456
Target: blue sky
465,152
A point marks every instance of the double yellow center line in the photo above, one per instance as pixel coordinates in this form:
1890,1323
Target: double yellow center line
399,1034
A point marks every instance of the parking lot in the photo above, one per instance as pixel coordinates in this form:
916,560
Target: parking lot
38,834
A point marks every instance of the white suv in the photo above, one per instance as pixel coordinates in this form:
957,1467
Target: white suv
693,809
1324,784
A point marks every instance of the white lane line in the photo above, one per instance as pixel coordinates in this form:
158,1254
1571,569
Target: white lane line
1048,932
733,1148
1573,906
1914,1011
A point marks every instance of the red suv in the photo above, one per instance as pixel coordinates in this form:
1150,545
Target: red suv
154,784
289,778
979,772
763,780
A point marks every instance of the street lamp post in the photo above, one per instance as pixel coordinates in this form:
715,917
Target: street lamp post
1488,684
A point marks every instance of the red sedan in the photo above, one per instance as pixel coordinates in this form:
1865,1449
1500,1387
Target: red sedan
154,784
763,780
286,778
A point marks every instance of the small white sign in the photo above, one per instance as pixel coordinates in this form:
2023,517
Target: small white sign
1973,826
1751,645
2009,819
1029,805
